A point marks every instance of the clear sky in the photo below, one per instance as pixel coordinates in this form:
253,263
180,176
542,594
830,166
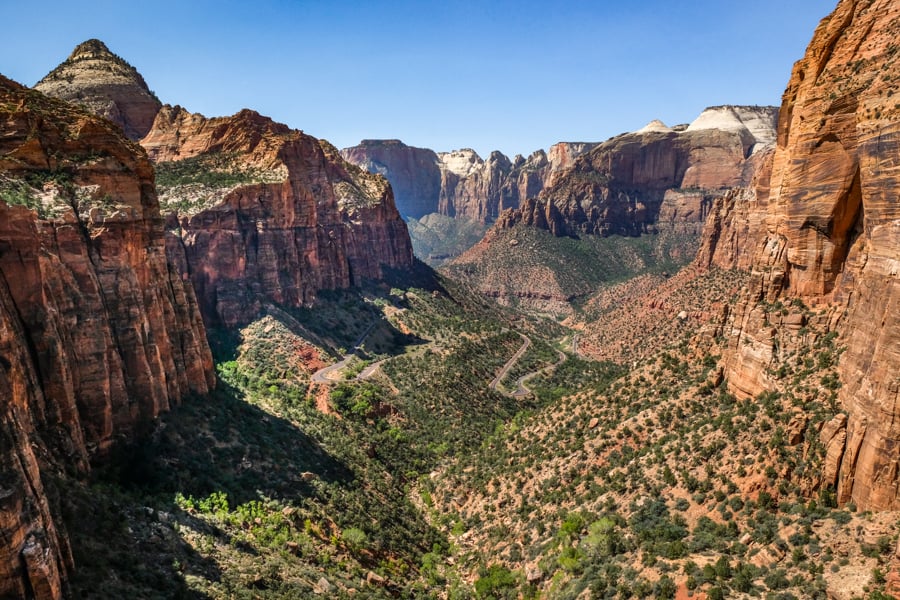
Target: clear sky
509,75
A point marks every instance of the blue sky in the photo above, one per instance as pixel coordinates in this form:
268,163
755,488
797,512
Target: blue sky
513,76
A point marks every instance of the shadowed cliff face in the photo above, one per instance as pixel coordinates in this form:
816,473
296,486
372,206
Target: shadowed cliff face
829,235
413,172
99,332
287,216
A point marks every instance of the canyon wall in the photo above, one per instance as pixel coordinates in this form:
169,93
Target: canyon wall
460,183
289,218
100,333
261,212
414,173
826,231
629,183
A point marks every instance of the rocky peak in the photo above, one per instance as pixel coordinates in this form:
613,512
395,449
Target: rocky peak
461,162
654,126
178,134
759,121
104,82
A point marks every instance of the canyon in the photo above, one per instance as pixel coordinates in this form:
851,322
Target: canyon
102,327
706,315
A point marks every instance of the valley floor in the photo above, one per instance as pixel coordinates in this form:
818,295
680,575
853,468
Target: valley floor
421,441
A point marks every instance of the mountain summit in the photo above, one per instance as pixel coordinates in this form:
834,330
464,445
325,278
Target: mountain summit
107,85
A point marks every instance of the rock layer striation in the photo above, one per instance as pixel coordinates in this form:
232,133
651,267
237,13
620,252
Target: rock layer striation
827,233
100,333
105,84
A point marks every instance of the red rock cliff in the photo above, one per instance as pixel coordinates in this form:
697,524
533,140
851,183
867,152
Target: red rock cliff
460,183
829,235
98,331
290,217
630,182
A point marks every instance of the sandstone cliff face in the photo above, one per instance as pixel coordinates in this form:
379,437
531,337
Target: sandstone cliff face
107,85
829,236
735,228
413,172
99,332
561,157
286,217
621,185
460,183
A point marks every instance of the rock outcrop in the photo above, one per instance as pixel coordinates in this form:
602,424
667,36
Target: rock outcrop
735,226
261,212
99,333
621,186
280,217
828,234
460,183
105,84
413,172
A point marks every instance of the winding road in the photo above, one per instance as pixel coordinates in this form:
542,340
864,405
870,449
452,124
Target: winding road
521,390
511,362
331,373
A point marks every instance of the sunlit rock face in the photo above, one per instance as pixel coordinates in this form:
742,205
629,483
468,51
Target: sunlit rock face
630,183
105,84
297,220
461,183
827,231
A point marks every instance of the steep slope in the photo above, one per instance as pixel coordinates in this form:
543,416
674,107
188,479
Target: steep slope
100,334
105,84
830,240
620,186
538,272
267,214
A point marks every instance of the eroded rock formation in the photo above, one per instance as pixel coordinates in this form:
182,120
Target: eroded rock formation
281,216
413,172
828,235
107,85
622,185
460,183
98,332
